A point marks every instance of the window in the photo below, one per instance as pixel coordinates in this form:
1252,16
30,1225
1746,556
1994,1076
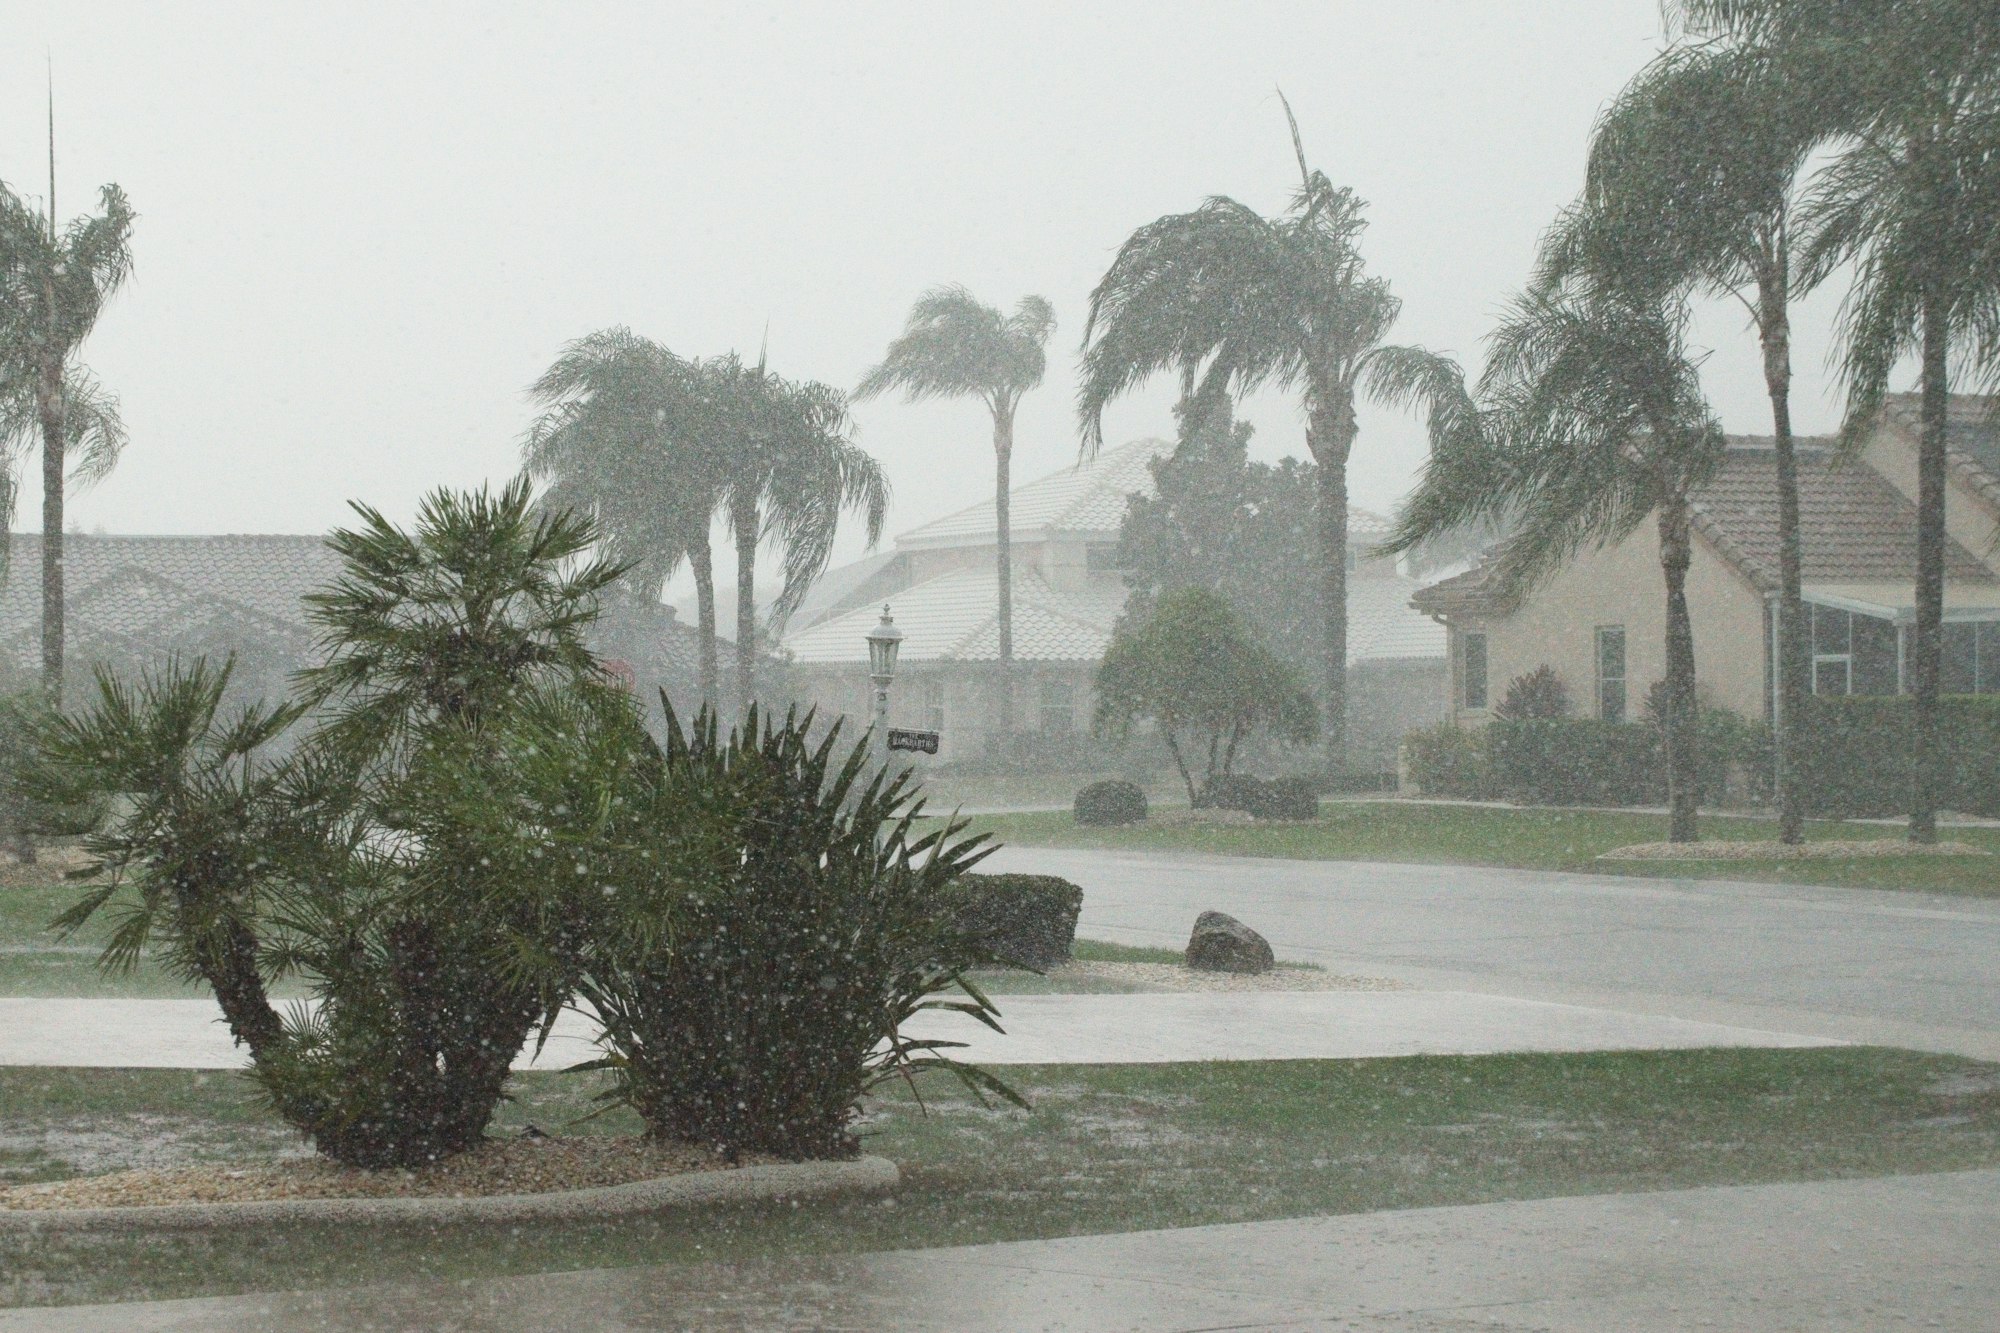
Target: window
1611,673
1832,650
1971,658
1472,669
933,704
1058,707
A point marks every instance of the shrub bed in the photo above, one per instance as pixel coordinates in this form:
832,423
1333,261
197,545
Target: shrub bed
1028,919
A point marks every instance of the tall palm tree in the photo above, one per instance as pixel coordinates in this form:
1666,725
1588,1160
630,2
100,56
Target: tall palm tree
53,285
1699,161
1913,98
1592,419
791,469
622,436
955,346
1233,300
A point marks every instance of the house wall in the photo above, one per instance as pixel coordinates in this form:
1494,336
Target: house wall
1387,698
1621,584
970,698
1967,518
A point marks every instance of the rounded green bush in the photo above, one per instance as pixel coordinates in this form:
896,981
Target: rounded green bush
1111,802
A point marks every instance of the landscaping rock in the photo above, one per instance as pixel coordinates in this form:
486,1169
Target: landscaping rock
1221,943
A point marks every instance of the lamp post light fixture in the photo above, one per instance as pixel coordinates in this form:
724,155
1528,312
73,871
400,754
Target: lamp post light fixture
884,641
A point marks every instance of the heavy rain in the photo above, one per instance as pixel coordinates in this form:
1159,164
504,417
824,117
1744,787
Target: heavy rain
1134,666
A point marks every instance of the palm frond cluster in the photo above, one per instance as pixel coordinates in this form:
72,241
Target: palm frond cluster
656,446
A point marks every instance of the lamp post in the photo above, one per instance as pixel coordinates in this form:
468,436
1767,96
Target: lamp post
884,641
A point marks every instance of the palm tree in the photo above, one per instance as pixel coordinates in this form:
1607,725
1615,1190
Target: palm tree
1232,300
1593,418
52,288
1699,161
1912,100
955,346
791,469
621,436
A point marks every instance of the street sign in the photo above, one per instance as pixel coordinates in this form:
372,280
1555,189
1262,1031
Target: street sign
925,741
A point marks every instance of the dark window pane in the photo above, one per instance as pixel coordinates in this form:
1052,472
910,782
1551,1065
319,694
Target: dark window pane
1611,673
1473,670
1989,658
1874,655
1961,662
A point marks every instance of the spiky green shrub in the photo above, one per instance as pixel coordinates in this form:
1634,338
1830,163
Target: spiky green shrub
753,991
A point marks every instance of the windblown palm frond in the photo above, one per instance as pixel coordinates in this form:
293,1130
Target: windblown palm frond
956,346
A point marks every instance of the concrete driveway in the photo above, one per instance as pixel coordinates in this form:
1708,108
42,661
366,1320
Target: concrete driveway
1905,969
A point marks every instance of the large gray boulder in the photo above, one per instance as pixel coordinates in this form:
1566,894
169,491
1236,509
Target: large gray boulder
1221,943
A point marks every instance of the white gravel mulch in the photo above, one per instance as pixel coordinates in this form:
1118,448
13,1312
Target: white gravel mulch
502,1166
1833,849
1176,977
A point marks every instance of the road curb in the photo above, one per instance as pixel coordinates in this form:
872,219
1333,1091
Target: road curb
743,1184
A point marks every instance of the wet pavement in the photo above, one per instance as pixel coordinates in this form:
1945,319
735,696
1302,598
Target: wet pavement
1040,1029
1902,1252
1918,970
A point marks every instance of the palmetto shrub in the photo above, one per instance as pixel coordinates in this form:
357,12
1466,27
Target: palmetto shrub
753,991
360,862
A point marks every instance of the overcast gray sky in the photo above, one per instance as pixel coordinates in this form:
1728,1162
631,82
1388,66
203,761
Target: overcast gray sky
364,229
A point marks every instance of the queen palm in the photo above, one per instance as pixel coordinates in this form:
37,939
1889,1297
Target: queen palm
1592,419
622,436
790,469
53,285
956,346
1233,300
1912,104
1699,160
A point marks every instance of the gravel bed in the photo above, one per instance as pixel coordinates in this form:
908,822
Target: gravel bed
1833,849
500,1167
1177,977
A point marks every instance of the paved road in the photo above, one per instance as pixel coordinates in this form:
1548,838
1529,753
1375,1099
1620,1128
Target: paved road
1918,970
1903,1252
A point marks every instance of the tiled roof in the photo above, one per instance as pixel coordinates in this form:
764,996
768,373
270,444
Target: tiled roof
1853,526
1971,436
1087,498
265,575
1852,523
1381,625
955,618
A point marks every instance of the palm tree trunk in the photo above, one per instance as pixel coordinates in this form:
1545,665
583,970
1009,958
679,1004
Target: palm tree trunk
1791,667
1330,435
1675,555
49,407
743,519
1927,634
701,558
1003,459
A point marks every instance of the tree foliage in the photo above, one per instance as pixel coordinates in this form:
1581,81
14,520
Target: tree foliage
1189,668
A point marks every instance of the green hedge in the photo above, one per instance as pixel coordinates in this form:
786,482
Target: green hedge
1113,801
1264,798
1857,756
1027,919
1582,761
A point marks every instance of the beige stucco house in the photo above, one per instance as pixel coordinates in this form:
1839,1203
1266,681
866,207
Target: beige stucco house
1068,591
1599,622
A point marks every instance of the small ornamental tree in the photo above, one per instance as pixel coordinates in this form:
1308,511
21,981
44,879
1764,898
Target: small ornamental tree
1190,669
1537,694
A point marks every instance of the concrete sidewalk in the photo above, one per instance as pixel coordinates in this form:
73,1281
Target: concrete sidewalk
1041,1029
1901,1252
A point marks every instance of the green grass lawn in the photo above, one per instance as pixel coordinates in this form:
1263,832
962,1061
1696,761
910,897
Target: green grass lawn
1527,839
1105,1148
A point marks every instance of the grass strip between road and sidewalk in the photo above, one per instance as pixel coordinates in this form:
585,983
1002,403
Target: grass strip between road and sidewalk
1414,832
1106,1148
